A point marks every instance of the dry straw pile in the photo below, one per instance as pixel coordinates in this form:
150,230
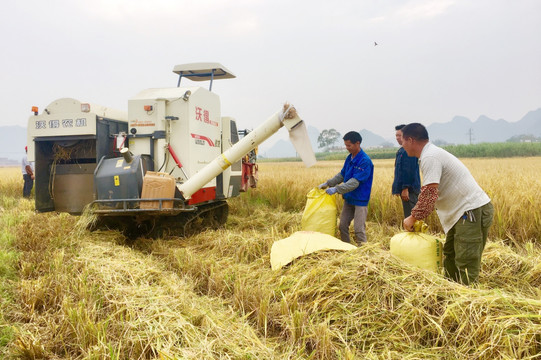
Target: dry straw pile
82,295
365,303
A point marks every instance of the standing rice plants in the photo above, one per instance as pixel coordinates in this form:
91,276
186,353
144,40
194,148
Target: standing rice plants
511,183
11,186
285,185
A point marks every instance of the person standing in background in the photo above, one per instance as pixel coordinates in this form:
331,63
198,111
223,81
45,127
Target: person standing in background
407,182
28,174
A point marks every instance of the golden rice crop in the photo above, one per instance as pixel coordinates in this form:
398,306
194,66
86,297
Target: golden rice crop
11,186
71,293
511,184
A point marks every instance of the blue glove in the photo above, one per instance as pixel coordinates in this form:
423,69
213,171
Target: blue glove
323,186
331,191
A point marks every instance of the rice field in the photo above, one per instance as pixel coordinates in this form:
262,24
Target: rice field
68,293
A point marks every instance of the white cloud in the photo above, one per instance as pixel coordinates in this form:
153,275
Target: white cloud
377,19
423,9
320,55
229,18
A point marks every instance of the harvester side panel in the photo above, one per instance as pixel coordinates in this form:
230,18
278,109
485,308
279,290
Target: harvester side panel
191,125
203,137
148,125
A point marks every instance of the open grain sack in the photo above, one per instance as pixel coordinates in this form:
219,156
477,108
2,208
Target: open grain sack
418,248
320,212
303,243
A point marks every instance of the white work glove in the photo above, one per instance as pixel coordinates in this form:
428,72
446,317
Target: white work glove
323,186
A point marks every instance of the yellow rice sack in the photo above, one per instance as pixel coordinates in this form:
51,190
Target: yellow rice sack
418,249
320,212
303,243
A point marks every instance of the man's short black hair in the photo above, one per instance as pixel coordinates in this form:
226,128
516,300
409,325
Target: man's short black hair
353,137
399,127
415,131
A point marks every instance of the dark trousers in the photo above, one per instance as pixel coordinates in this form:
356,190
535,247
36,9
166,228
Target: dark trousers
465,243
28,185
410,204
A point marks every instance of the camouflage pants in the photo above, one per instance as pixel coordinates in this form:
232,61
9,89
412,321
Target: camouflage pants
465,243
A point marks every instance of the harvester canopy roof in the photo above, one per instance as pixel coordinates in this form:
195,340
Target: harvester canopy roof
203,71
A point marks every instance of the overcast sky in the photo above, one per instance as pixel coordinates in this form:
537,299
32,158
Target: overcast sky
435,58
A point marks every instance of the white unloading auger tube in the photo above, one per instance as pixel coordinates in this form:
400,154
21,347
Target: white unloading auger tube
287,117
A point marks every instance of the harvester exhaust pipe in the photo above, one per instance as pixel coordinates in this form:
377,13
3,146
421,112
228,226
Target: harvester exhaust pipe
287,117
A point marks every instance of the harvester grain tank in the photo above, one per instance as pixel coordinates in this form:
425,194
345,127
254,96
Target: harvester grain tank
66,141
179,133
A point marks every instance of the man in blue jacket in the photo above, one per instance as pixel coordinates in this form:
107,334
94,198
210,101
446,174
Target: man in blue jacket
407,182
354,182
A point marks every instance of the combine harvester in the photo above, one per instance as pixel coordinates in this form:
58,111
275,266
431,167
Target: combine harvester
180,159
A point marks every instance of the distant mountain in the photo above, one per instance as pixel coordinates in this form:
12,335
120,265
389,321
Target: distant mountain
284,148
12,142
531,123
457,131
461,130
370,139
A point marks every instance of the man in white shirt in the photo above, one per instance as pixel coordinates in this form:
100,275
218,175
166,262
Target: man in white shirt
28,175
464,209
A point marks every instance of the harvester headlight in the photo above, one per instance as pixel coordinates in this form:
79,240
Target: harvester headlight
85,107
186,95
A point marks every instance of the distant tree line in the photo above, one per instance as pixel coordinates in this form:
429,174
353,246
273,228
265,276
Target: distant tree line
529,138
516,146
496,150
